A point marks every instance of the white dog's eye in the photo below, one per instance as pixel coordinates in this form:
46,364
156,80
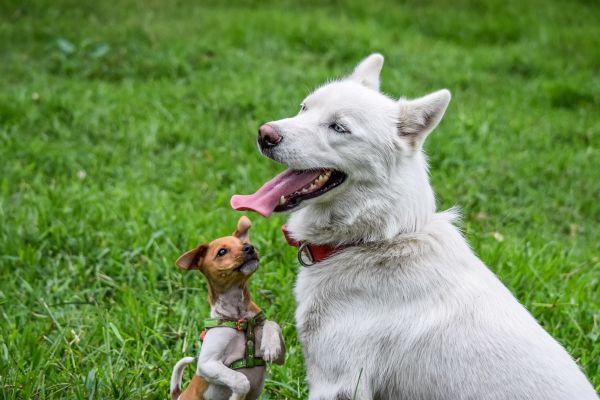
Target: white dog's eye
338,128
302,107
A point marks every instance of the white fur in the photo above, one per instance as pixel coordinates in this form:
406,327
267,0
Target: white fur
271,345
223,345
212,368
178,373
411,306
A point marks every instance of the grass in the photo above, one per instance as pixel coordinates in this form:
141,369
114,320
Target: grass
125,128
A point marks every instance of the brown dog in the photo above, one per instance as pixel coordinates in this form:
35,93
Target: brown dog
239,340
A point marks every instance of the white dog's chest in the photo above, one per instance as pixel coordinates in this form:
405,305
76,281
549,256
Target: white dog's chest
318,299
336,314
407,327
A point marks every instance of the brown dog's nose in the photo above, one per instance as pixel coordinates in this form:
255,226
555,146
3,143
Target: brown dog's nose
248,249
268,137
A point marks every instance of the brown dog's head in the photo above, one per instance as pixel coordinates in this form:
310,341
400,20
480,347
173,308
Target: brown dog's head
226,261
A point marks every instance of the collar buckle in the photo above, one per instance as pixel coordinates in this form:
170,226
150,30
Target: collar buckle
305,256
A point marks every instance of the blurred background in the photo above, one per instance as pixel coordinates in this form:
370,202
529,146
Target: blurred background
126,126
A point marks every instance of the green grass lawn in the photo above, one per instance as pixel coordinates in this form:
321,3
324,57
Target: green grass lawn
126,126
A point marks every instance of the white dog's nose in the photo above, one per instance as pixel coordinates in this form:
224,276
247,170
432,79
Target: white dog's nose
268,137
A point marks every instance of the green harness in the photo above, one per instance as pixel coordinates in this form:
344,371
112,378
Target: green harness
247,326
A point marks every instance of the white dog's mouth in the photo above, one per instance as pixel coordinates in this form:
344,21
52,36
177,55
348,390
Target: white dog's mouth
288,189
327,180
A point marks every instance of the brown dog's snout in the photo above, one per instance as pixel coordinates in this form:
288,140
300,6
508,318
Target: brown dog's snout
268,137
248,250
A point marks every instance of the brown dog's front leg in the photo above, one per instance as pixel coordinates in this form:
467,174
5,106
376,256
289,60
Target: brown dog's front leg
272,345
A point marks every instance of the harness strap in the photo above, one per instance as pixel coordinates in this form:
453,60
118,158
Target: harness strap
247,326
243,363
239,325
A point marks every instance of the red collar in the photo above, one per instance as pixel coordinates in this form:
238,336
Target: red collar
309,254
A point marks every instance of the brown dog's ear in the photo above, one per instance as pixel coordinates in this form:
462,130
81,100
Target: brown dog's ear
192,259
243,226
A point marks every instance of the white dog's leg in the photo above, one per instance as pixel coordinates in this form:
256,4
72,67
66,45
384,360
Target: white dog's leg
331,383
331,391
272,346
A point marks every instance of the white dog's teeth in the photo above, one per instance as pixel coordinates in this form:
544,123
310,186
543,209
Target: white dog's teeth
317,183
282,200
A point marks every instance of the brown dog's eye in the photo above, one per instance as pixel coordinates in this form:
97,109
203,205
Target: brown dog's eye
221,252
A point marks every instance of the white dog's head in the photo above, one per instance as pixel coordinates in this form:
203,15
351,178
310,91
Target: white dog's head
354,155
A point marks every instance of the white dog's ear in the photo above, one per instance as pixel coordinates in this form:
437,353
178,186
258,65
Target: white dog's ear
367,72
420,116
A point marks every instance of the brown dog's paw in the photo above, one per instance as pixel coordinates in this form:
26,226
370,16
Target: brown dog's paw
272,345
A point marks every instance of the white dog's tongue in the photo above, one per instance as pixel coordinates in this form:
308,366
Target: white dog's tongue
267,197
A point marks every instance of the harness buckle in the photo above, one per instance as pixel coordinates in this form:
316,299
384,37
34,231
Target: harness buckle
239,324
305,257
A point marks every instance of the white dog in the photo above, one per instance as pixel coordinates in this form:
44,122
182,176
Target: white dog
395,305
